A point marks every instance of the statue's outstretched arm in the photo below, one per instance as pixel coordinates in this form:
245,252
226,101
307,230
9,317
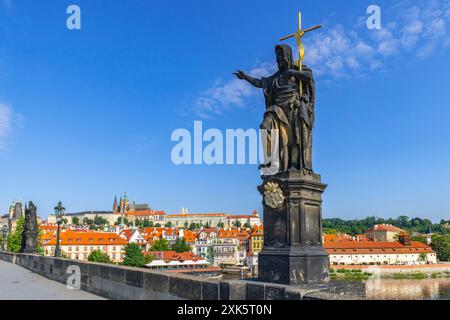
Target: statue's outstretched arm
253,81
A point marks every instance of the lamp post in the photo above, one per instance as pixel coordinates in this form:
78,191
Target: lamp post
59,213
4,234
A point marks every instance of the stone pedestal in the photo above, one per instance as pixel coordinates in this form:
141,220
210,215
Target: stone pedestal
293,252
29,242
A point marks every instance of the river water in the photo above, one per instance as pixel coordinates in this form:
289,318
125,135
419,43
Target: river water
409,289
400,289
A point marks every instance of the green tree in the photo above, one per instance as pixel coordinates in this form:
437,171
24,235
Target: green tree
158,225
180,246
192,226
149,258
422,239
133,256
210,255
99,256
100,221
87,221
161,245
441,245
423,257
147,223
237,224
15,238
76,221
119,220
186,224
168,224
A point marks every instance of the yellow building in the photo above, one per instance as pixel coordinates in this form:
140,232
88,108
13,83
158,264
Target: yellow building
257,239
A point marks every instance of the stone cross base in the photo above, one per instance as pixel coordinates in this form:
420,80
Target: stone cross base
294,266
293,251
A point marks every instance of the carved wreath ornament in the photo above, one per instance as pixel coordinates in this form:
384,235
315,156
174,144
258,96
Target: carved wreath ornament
273,195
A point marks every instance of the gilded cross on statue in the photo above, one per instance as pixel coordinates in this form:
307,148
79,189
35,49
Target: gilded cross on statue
298,36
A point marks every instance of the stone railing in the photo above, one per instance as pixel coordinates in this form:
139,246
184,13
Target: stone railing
125,283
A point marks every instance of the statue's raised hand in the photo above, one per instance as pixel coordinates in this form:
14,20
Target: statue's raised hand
240,74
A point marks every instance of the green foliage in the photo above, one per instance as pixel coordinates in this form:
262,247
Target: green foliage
359,226
15,238
180,246
329,231
99,256
422,239
76,221
100,221
237,224
210,255
158,225
119,219
349,274
161,245
168,224
149,258
87,221
423,257
133,256
441,245
147,223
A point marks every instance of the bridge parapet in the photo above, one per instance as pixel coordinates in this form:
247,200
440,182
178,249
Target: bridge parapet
127,283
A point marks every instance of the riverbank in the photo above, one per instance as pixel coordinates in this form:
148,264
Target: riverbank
441,270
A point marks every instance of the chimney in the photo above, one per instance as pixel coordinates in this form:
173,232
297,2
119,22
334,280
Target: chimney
404,239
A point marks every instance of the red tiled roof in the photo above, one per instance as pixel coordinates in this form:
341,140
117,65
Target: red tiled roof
197,214
70,237
374,247
385,227
257,231
145,213
233,233
174,256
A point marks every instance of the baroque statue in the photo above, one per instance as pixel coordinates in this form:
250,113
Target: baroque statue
30,230
288,121
292,192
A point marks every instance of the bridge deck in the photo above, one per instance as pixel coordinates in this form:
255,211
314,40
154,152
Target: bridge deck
17,283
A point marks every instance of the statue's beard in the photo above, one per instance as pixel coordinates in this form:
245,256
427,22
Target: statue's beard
283,66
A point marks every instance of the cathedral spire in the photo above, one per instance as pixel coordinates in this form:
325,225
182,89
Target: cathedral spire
115,205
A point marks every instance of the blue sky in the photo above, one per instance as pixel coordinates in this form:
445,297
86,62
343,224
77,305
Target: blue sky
88,114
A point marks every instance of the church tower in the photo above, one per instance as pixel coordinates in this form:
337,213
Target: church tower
115,205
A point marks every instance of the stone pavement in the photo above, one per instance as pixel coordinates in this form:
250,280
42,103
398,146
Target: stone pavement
17,283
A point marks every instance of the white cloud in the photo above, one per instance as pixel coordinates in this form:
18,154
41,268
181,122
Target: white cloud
8,120
411,29
226,95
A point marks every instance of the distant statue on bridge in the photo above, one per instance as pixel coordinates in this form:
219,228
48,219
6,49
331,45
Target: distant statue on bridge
30,231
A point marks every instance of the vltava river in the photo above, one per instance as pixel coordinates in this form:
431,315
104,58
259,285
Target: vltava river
409,289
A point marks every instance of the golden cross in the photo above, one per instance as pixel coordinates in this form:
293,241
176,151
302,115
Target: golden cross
298,36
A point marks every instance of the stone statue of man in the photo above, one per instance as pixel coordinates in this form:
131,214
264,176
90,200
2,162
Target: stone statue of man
289,111
30,230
